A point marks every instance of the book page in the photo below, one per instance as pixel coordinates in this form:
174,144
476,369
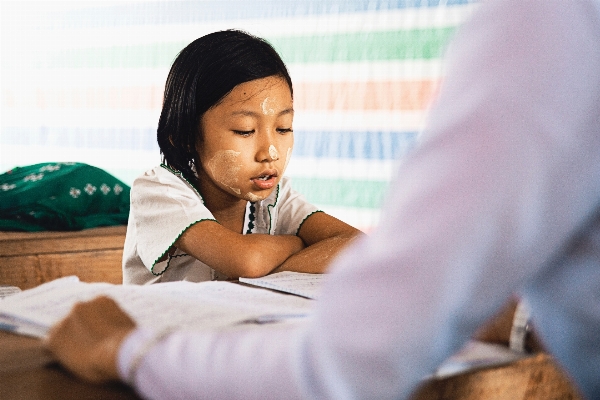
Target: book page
298,283
182,305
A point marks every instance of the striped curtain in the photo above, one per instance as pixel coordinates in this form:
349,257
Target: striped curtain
83,82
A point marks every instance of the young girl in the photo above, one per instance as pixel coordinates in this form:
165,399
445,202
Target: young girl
219,206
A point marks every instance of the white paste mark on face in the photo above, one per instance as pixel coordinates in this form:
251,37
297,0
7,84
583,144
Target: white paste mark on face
225,169
273,153
287,159
267,107
252,197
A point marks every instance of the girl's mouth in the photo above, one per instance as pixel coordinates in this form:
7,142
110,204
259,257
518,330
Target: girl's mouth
265,180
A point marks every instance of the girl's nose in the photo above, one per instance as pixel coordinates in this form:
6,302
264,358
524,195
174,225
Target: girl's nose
267,152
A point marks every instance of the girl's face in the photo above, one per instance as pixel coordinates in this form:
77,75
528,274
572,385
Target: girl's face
247,139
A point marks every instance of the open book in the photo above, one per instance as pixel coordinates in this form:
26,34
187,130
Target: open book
185,305
298,283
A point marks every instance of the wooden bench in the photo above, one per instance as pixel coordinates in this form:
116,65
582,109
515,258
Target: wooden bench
28,259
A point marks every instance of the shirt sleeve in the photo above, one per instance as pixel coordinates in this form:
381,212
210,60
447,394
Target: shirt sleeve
163,206
505,176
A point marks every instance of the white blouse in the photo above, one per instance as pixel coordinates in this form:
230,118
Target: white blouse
164,204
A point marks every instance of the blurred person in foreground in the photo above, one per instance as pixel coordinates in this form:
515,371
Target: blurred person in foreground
501,196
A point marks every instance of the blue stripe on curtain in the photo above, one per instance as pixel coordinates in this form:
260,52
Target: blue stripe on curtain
369,145
353,145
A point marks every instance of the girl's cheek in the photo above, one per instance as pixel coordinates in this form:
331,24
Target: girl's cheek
224,168
273,153
287,159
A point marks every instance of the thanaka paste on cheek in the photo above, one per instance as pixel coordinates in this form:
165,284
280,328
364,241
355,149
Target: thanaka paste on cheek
273,153
224,168
287,159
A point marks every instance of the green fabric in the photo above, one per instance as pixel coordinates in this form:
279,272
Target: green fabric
61,197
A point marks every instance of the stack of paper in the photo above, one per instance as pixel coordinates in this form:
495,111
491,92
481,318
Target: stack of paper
185,305
300,284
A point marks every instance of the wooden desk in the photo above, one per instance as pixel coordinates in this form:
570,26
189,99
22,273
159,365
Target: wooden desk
533,378
26,372
28,259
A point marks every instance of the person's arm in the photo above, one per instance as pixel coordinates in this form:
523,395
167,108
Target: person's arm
234,254
325,236
508,172
256,255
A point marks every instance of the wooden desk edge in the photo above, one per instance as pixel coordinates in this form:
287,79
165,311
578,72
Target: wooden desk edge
535,377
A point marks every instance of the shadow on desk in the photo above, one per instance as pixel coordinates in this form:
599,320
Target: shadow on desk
27,372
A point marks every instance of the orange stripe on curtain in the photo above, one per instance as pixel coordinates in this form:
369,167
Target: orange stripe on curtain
369,95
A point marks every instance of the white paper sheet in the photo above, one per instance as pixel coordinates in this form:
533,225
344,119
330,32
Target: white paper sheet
300,284
185,305
6,290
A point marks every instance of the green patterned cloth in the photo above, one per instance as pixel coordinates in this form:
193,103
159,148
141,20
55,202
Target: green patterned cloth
61,197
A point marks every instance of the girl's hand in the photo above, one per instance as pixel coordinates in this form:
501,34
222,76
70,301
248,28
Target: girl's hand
87,341
325,237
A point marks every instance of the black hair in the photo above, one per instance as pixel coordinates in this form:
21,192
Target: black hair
202,74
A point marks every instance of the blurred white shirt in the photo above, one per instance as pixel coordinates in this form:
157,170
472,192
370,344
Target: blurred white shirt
501,195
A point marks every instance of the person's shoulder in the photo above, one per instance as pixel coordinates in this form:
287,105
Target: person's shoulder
154,179
163,180
159,174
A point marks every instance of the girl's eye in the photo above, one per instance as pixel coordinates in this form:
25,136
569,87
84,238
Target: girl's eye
284,130
243,133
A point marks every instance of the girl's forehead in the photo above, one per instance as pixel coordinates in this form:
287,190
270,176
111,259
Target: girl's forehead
263,94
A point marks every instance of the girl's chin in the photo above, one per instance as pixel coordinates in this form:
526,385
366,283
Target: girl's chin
254,197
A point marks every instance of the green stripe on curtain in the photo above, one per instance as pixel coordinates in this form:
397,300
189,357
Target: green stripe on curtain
363,46
341,192
358,46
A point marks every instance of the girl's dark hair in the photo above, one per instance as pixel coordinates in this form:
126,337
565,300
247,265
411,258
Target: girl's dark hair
202,74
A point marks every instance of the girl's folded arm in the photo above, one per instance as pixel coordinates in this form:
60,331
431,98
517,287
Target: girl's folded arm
234,254
324,236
